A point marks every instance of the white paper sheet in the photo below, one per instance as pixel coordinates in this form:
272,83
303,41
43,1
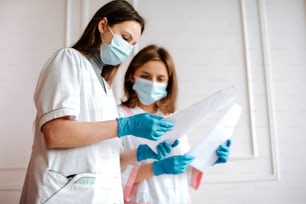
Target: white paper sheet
204,151
187,119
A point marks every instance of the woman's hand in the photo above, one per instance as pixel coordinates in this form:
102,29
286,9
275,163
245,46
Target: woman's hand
223,152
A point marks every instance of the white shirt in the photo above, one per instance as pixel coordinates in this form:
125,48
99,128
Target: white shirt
69,86
163,189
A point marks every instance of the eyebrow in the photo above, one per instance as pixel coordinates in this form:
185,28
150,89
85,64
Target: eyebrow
159,75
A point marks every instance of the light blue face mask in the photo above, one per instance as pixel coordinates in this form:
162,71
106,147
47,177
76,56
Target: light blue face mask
149,92
116,52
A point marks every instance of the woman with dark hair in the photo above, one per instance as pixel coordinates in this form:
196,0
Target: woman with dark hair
75,154
150,86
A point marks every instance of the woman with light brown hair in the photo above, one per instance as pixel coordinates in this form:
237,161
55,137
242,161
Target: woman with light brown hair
150,86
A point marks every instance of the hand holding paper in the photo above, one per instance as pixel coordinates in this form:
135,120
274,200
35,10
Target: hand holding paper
163,149
223,152
205,150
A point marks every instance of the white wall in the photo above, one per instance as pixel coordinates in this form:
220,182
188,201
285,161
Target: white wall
258,46
30,32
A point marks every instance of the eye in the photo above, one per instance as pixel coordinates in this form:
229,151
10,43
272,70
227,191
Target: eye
126,38
145,76
162,79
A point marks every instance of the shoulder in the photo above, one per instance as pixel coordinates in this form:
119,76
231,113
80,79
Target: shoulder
66,58
70,53
64,63
123,110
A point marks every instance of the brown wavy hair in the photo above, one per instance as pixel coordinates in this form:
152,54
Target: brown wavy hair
166,105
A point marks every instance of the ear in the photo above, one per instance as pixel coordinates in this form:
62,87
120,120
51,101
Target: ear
132,79
102,25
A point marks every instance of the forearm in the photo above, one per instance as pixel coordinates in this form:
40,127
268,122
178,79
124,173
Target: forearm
65,133
145,172
128,158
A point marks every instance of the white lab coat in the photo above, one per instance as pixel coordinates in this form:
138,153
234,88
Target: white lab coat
69,86
163,189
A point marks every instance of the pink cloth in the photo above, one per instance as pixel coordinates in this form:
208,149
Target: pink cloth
130,186
196,177
127,110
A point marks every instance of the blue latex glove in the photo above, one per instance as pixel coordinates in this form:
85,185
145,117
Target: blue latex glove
144,125
223,152
172,165
163,149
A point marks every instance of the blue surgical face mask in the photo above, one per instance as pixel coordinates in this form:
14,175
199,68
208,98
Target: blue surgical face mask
149,92
116,52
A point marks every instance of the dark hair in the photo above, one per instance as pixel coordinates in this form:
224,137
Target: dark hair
115,11
166,105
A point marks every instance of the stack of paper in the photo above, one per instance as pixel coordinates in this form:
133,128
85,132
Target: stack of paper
204,151
189,118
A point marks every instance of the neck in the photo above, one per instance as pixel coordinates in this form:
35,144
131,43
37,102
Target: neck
149,108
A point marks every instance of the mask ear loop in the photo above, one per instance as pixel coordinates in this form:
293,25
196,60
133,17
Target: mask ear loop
110,30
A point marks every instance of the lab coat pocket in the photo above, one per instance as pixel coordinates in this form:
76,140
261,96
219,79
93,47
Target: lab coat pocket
79,189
